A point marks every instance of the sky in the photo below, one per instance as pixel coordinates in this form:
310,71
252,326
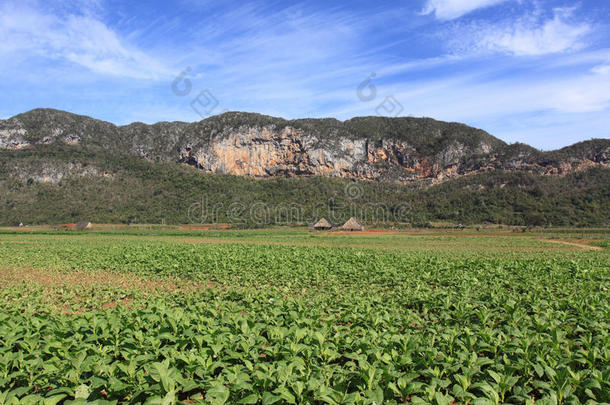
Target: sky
532,71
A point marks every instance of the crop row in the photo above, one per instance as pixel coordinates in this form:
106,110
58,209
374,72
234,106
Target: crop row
311,325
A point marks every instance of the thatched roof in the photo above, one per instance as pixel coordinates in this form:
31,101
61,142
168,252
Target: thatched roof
83,225
323,223
352,224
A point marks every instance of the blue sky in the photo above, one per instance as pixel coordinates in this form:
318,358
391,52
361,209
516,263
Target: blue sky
533,71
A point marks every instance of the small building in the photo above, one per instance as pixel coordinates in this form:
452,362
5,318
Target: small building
83,225
18,224
352,224
323,224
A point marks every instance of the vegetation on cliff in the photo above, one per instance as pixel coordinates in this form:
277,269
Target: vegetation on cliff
123,188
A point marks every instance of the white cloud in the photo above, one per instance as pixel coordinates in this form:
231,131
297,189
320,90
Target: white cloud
529,35
81,39
547,107
452,9
472,98
301,61
285,61
587,93
92,44
601,70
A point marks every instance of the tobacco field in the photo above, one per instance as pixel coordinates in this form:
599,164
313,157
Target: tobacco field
105,320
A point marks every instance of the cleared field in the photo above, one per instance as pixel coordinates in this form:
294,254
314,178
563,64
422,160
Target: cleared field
289,316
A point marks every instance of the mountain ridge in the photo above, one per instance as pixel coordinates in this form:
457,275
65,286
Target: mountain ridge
57,167
400,150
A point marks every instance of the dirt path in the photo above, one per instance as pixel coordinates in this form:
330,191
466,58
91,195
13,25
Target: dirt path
580,245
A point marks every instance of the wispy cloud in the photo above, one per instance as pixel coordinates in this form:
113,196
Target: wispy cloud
285,60
526,35
497,67
452,9
77,38
530,37
506,104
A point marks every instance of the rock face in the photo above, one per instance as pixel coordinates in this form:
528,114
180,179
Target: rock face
369,148
268,152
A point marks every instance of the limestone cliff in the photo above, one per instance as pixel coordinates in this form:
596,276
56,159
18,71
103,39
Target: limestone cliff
369,148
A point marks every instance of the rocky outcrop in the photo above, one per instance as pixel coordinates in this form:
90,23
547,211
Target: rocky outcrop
287,151
367,148
13,138
53,171
519,157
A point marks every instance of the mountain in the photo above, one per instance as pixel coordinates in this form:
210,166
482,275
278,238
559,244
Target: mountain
365,148
59,167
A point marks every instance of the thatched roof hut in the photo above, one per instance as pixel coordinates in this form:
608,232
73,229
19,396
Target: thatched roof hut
323,224
352,224
83,225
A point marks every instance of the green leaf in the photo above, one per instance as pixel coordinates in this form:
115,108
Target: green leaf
375,396
497,377
441,399
250,399
54,399
269,398
168,399
82,392
286,395
218,395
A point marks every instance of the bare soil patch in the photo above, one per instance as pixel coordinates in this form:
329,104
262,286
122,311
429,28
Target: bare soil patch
581,245
88,279
70,292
